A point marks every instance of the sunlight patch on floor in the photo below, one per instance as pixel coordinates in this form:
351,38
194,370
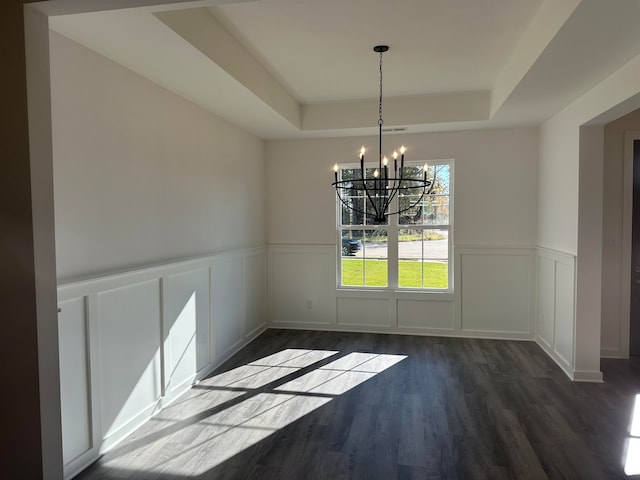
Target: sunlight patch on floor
261,398
632,461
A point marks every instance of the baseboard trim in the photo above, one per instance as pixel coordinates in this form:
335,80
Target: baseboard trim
574,375
587,376
564,366
610,353
426,332
112,439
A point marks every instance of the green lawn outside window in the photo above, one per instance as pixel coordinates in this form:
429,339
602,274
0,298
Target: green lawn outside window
410,273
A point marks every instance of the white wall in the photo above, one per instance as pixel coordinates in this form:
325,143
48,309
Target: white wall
570,210
495,174
141,175
144,177
561,178
558,187
589,259
615,306
495,183
37,271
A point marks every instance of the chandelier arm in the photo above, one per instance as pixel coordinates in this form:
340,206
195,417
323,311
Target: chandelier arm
380,201
410,206
394,191
351,208
368,194
342,200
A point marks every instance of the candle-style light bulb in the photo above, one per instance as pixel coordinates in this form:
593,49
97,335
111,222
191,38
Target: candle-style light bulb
336,168
385,160
376,173
395,155
402,149
362,150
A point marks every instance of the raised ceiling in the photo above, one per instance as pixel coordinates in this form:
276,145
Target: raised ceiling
322,51
295,68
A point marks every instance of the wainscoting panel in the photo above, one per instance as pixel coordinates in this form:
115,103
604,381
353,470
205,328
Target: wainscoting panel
302,285
132,342
129,357
355,312
555,306
425,314
546,299
496,291
565,312
493,298
227,312
185,328
255,293
74,379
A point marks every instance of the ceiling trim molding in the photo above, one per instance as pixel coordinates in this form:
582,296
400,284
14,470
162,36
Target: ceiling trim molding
53,8
547,22
204,32
398,111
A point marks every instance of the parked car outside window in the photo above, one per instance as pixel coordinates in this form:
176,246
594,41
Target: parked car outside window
350,246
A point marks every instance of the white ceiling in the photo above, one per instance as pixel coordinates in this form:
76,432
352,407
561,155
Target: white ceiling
322,50
292,68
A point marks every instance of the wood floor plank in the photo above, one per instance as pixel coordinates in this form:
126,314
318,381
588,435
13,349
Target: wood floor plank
336,406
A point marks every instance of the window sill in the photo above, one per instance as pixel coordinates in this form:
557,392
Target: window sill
384,292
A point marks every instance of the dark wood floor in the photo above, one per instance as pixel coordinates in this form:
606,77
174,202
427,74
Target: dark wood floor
318,405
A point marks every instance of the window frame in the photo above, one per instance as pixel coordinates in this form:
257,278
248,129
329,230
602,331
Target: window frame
393,228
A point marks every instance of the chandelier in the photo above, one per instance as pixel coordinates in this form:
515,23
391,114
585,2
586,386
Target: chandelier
379,189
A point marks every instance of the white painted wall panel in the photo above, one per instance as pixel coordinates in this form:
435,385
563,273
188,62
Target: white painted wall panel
114,342
616,223
227,307
588,263
425,314
186,326
556,302
363,313
130,156
74,379
565,313
129,322
301,206
496,292
303,285
558,187
255,292
499,287
546,299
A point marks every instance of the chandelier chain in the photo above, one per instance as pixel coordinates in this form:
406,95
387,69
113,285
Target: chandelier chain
380,121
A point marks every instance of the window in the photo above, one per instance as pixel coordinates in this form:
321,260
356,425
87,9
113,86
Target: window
411,250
